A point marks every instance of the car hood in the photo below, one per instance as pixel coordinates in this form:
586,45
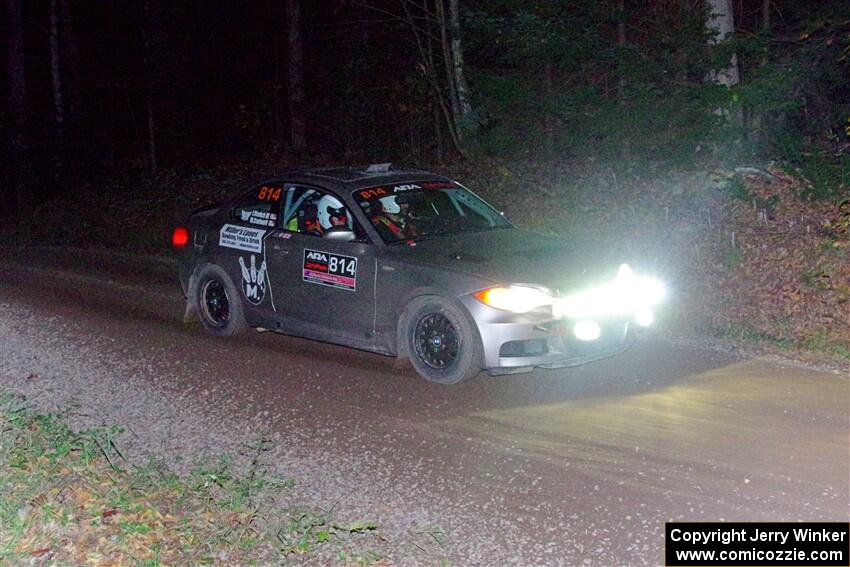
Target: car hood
516,256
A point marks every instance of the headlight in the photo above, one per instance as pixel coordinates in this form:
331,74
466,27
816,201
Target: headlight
515,298
628,294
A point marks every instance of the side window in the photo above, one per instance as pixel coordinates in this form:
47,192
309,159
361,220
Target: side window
314,213
260,206
298,216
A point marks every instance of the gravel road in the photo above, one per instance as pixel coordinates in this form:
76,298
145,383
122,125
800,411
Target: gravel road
568,467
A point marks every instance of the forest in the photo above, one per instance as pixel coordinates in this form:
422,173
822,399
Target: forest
658,122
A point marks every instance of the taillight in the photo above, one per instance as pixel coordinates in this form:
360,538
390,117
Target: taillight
180,237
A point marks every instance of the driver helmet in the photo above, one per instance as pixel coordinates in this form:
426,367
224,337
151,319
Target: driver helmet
390,205
330,208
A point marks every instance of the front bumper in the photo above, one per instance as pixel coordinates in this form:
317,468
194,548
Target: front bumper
518,342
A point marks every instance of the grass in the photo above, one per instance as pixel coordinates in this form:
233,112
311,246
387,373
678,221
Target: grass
742,333
819,343
69,497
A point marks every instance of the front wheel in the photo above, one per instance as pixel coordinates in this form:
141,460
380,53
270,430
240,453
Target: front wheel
442,341
218,304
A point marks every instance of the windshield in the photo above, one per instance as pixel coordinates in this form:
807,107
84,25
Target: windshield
425,209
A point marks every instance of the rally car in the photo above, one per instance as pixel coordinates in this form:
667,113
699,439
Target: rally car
405,263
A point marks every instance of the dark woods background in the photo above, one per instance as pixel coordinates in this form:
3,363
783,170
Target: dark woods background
106,88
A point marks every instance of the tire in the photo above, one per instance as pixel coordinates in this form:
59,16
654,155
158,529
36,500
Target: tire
217,302
442,341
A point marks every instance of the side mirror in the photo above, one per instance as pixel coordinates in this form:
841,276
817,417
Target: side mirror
340,234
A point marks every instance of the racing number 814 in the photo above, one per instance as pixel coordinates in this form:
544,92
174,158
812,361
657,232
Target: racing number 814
342,266
269,193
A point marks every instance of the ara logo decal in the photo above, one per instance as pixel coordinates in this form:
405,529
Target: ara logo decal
253,280
405,187
313,255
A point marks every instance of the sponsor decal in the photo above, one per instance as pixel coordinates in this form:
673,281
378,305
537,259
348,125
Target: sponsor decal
334,270
378,192
253,280
262,218
438,185
241,238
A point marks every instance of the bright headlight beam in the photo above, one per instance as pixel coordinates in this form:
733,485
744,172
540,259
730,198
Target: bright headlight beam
627,294
515,298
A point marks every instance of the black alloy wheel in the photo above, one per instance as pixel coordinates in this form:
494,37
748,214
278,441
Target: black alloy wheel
436,341
441,340
215,303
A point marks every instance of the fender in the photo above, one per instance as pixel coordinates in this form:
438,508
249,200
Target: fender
190,314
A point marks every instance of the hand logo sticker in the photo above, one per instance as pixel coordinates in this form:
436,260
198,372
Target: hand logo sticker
253,280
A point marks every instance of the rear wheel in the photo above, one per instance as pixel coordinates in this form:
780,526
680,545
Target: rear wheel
218,304
442,341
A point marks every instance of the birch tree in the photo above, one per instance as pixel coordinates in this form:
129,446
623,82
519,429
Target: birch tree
721,25
434,27
467,122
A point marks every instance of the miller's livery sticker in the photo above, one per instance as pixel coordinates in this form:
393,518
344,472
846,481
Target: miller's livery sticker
333,270
241,238
253,280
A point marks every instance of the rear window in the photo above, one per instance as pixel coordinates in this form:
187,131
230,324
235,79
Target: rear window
259,207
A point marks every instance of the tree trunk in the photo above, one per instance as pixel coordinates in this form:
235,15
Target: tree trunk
721,22
438,134
297,121
16,73
71,61
17,106
765,15
436,35
277,110
468,121
56,72
626,149
424,40
151,132
621,43
549,95
149,106
448,62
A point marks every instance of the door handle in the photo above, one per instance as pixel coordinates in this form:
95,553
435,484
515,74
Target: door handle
280,248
